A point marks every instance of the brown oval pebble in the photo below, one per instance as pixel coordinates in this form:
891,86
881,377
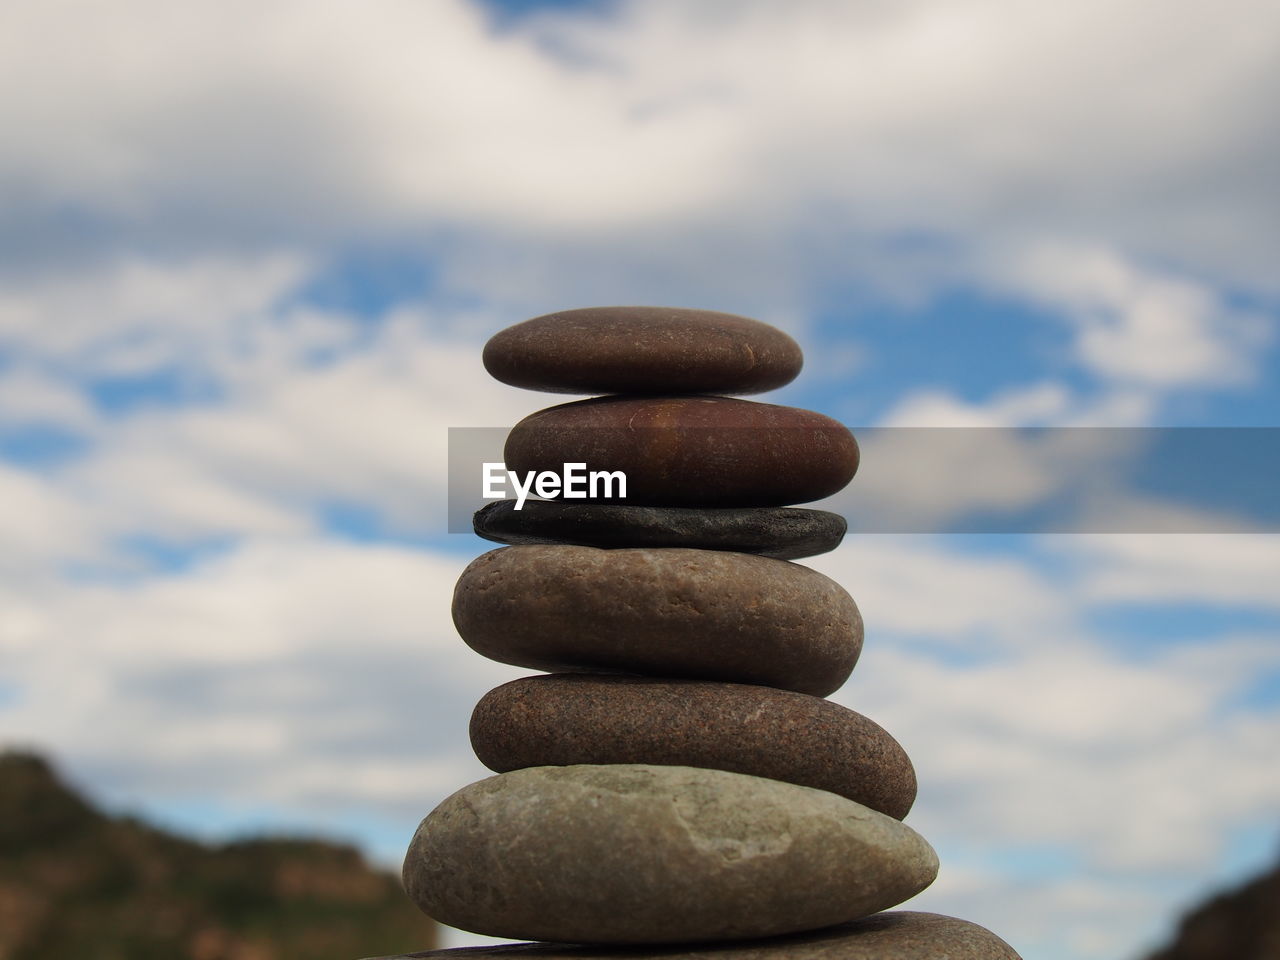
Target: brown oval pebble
643,350
895,935
691,451
704,614
562,720
654,854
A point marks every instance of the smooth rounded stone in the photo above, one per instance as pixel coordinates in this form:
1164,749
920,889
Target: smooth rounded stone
702,614
897,935
560,720
643,350
654,854
691,451
785,533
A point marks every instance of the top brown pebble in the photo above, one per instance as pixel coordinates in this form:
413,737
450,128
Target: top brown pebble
653,350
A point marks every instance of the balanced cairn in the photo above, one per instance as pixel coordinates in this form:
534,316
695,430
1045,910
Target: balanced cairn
678,778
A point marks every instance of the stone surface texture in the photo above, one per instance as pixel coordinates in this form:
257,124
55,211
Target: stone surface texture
692,451
785,533
701,614
897,935
643,350
656,854
578,719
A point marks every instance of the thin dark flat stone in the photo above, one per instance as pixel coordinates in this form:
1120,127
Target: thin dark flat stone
784,533
897,935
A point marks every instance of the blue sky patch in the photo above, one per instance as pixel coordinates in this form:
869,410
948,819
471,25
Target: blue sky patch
159,556
364,523
163,388
514,9
365,284
10,694
39,446
963,342
1138,628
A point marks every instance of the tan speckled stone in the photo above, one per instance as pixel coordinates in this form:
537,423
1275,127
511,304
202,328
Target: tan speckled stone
653,854
703,614
568,719
899,935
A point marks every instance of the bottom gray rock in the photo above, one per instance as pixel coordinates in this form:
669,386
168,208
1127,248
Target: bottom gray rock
631,853
900,935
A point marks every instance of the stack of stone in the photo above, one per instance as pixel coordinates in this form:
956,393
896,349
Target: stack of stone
679,776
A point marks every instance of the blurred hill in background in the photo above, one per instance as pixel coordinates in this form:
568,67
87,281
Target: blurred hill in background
1241,924
77,883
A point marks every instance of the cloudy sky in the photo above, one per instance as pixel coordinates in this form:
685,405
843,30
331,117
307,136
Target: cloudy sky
249,254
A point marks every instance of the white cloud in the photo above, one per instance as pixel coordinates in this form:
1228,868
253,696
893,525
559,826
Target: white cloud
971,599
289,672
28,397
970,475
1141,327
39,526
133,314
1021,406
975,122
369,428
417,111
1143,334
1216,568
279,433
1093,918
935,459
158,490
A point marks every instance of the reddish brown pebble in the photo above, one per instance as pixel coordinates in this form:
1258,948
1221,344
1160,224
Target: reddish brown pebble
692,451
643,350
673,611
562,720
